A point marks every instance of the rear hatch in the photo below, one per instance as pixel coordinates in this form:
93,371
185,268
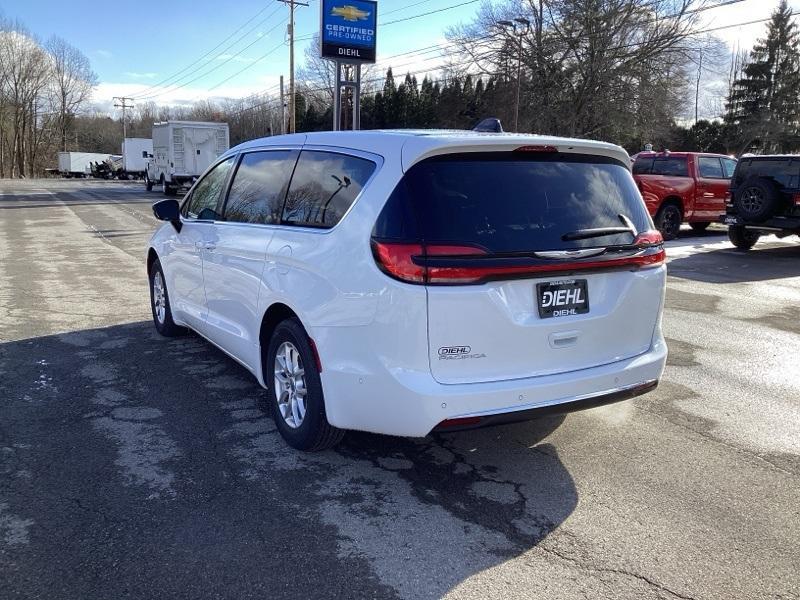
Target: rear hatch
536,262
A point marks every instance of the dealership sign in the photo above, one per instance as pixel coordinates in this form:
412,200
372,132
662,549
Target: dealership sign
348,30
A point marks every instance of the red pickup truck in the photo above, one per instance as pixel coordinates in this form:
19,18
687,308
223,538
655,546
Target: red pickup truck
680,187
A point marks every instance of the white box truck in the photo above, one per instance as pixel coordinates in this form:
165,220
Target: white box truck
182,150
135,154
78,164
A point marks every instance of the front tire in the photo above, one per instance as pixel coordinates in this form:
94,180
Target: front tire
668,221
294,390
159,303
147,183
742,238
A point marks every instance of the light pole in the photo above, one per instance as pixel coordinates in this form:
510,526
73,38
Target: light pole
523,25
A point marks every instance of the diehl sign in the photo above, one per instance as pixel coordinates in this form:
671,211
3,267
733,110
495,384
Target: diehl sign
348,30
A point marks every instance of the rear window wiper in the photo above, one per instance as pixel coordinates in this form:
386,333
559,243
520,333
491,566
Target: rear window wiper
585,234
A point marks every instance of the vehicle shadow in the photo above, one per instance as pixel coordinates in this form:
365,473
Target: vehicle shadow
766,261
154,450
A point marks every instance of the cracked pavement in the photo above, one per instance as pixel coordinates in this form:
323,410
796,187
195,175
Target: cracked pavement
133,466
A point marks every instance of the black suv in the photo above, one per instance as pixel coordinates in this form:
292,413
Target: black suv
764,198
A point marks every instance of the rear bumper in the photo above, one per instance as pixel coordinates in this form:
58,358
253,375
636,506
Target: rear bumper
412,403
770,225
555,408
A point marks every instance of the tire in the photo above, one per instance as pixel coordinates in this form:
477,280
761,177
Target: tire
148,184
166,188
290,346
668,220
756,199
742,238
159,304
700,225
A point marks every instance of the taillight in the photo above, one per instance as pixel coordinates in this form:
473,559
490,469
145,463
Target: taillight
395,260
443,264
796,199
536,148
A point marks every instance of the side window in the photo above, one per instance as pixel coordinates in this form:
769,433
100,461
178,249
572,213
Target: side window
710,167
729,166
671,167
643,166
324,186
204,201
259,187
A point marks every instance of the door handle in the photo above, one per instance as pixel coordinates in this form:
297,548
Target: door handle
205,246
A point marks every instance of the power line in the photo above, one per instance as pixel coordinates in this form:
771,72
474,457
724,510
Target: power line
165,80
173,87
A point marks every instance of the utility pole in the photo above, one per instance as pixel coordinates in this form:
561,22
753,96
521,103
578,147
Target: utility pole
283,109
524,28
123,104
292,4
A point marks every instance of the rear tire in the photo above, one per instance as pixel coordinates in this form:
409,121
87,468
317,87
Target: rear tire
742,238
294,390
668,220
756,199
159,303
700,226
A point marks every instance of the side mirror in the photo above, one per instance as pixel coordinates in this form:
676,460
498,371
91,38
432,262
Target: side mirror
168,210
144,153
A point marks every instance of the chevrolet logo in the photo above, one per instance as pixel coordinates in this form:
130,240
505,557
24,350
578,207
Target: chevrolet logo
350,13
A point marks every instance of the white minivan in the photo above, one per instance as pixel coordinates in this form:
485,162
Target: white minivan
404,282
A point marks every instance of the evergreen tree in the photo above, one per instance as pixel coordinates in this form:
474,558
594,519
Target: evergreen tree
764,104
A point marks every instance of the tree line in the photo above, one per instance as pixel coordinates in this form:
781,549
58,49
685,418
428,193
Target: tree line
624,71
43,87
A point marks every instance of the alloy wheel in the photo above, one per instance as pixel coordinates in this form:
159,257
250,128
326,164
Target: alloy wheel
290,385
159,297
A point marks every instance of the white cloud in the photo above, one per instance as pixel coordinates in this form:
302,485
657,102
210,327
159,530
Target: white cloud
164,95
104,53
134,75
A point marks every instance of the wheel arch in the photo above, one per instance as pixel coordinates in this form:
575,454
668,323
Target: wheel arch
677,201
152,257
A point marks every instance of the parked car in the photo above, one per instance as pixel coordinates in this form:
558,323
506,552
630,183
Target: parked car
406,282
764,198
683,187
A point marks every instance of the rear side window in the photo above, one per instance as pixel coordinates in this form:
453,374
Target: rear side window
670,167
729,165
710,167
323,187
259,187
204,201
507,202
643,166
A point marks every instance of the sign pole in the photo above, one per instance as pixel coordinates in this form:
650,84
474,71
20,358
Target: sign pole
357,98
337,97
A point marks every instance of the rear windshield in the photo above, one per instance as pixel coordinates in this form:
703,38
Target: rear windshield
670,166
784,171
506,202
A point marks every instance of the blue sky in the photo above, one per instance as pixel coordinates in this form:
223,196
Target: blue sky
134,45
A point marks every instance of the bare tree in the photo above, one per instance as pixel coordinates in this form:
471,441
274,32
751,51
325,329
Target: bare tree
72,81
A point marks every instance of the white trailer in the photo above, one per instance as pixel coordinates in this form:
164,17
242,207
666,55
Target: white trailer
182,151
78,164
135,154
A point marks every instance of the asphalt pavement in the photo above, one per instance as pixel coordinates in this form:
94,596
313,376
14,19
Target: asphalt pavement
133,466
